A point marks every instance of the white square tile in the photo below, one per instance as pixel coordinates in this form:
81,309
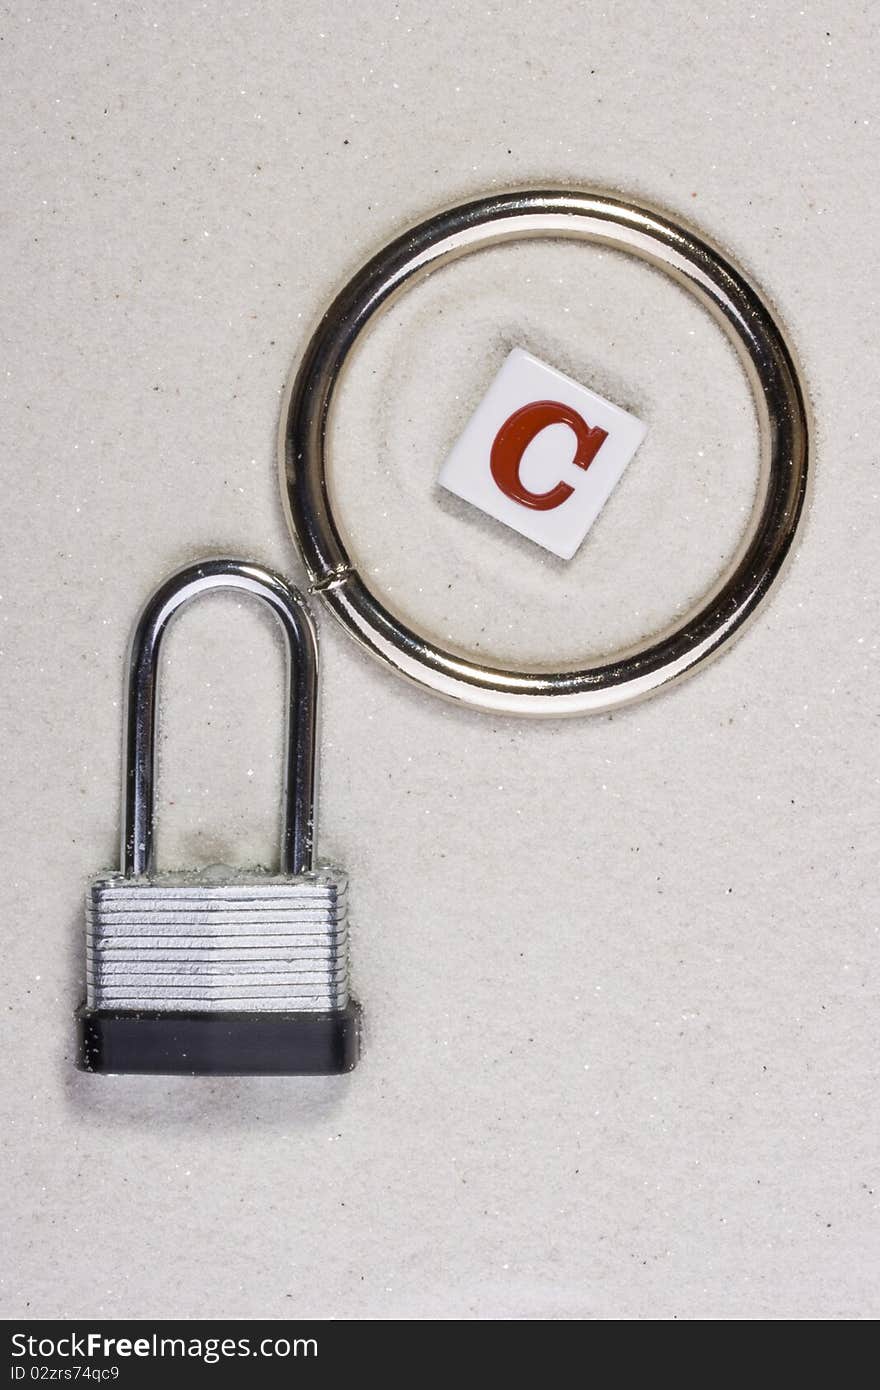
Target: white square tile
542,453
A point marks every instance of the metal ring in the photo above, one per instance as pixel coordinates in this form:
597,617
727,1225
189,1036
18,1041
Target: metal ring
779,399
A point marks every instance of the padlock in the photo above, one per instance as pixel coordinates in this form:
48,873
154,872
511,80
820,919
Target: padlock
219,971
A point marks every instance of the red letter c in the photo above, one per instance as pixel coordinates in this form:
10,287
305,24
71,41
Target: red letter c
515,436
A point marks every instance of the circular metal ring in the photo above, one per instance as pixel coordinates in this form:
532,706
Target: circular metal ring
779,399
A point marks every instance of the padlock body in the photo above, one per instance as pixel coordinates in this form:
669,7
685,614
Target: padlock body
218,972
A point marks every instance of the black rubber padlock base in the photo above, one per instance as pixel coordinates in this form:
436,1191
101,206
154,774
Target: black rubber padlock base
219,1044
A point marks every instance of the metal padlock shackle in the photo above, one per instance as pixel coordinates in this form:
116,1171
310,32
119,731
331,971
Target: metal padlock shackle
139,742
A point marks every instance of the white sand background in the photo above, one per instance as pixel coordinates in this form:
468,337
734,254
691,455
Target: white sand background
619,975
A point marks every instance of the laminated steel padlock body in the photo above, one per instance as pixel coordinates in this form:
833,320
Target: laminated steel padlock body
212,942
219,971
